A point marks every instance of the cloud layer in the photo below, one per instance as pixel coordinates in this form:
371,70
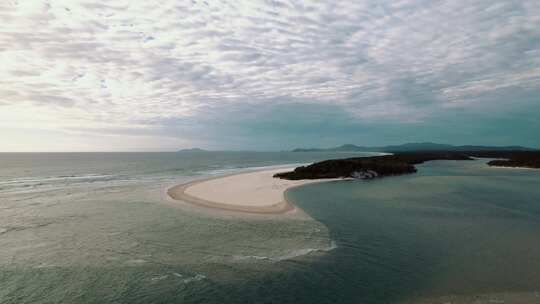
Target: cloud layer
172,69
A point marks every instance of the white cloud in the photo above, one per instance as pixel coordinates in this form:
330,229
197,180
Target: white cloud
123,63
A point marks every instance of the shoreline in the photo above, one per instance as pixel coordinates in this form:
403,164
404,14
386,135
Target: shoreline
510,167
254,192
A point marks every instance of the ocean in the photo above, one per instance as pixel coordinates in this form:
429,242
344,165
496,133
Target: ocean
98,228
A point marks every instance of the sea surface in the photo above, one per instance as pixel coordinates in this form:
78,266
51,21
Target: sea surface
99,228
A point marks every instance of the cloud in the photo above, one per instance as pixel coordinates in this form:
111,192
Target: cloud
125,63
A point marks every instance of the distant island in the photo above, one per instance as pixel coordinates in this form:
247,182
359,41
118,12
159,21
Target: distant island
401,163
412,147
191,150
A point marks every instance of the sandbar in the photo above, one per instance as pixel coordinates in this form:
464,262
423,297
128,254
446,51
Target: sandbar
252,192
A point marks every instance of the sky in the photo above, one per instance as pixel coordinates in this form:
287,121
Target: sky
117,75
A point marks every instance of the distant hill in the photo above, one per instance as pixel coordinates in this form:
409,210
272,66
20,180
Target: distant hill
191,150
425,146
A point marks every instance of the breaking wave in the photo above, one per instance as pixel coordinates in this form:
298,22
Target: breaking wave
291,255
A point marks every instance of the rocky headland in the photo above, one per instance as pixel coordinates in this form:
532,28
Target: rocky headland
401,163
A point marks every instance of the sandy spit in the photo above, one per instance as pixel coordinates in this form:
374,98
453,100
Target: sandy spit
251,192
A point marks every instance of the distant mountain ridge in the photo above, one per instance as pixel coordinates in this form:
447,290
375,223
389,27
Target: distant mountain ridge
425,146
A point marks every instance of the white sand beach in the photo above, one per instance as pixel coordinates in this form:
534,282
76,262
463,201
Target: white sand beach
253,192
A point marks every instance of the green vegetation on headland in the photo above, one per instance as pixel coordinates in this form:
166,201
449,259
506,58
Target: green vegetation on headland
403,163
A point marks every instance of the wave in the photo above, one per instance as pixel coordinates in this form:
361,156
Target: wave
196,278
183,278
291,255
250,257
239,169
33,182
29,180
59,180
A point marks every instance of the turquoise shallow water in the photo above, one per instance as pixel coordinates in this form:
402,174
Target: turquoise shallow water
95,228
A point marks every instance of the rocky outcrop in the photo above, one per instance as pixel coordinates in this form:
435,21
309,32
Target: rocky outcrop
364,174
